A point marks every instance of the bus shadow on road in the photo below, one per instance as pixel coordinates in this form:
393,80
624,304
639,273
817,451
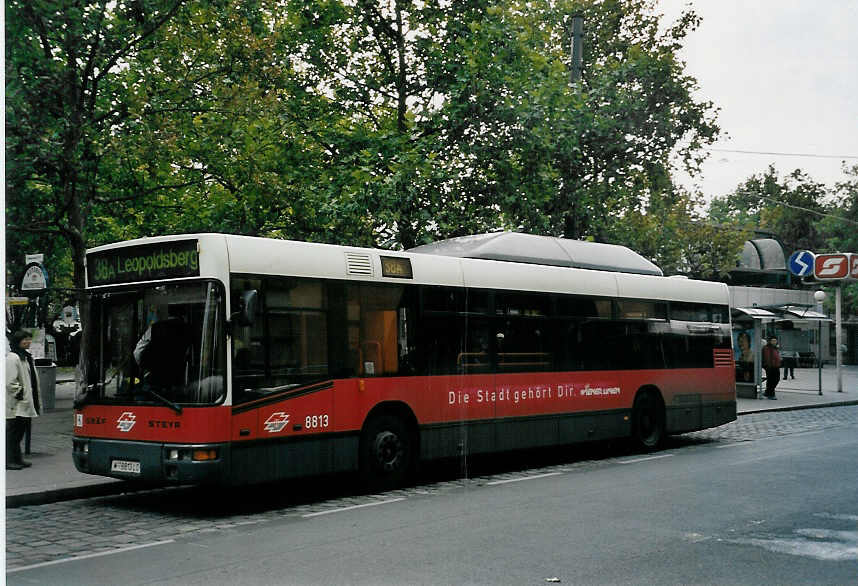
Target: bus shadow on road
219,502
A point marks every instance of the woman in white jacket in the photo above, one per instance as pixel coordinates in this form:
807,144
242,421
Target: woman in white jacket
22,397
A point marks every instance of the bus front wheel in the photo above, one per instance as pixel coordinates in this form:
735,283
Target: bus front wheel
648,425
386,453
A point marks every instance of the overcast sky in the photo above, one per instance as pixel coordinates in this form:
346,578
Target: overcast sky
785,75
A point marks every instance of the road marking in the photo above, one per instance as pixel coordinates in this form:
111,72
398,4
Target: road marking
733,445
815,431
636,460
820,544
836,516
534,477
89,556
353,507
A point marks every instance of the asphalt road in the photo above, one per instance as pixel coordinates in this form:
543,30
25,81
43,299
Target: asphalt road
772,498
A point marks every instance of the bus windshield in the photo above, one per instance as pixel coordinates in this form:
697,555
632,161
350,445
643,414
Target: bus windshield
160,343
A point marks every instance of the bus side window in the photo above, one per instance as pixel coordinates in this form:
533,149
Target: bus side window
373,328
248,359
477,355
523,344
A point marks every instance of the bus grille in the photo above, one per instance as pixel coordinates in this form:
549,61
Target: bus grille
358,264
723,357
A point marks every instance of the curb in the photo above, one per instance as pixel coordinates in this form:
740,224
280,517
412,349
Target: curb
73,493
798,407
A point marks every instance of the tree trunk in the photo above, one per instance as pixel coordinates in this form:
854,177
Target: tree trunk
77,241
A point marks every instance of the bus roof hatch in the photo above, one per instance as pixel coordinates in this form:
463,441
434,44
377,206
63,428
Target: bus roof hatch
543,250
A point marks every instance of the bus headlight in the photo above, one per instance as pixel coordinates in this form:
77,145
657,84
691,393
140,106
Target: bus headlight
173,455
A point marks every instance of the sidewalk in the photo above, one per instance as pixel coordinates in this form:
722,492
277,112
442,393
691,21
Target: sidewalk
803,391
53,476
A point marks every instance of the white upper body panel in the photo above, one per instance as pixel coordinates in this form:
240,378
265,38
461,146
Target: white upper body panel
221,255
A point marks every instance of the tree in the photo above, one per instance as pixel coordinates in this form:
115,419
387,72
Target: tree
144,117
65,63
462,118
65,60
803,213
584,157
214,139
676,235
386,69
790,207
382,122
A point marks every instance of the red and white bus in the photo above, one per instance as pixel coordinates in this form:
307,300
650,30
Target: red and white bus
232,359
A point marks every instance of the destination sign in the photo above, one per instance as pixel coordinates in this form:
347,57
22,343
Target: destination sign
396,267
147,262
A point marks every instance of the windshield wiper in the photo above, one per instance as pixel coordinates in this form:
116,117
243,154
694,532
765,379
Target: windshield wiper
174,406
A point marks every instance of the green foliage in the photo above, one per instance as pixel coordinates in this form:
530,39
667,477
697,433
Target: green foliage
582,158
790,207
65,63
675,234
802,213
364,122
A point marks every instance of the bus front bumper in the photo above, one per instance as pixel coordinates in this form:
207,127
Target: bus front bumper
152,462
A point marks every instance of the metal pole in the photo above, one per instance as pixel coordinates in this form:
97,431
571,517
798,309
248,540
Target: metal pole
838,337
755,344
819,355
577,41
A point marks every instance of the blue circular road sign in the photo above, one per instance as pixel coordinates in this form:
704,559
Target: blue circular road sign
801,263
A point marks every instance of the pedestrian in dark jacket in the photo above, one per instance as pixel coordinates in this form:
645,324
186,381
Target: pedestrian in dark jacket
22,397
772,365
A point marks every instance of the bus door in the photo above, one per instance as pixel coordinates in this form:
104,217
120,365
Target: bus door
280,360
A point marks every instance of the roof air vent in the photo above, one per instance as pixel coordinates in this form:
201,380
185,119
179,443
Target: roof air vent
358,264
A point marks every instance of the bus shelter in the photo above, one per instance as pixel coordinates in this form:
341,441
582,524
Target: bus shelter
748,349
748,341
804,314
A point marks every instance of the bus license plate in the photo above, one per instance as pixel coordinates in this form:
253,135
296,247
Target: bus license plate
125,466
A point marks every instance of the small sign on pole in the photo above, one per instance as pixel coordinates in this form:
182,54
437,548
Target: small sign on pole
34,281
801,263
831,266
837,267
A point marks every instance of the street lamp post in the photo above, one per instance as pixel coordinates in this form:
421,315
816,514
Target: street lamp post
819,296
838,333
577,49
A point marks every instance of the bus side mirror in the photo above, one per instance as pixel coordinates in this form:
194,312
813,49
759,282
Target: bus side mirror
247,308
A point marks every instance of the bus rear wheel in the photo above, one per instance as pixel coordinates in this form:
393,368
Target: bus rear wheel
386,453
648,425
